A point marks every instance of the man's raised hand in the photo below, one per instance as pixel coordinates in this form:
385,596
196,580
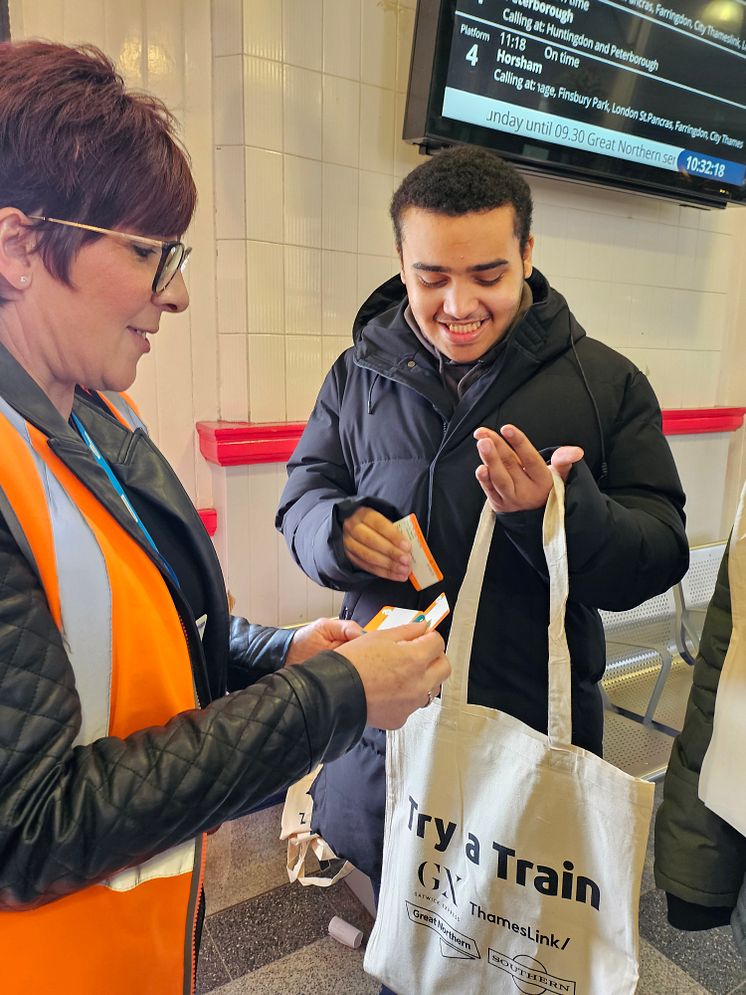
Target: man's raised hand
513,474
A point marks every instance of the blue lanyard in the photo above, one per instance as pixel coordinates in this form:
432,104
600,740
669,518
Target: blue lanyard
97,455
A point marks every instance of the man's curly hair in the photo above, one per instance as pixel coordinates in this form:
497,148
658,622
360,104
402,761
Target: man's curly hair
461,180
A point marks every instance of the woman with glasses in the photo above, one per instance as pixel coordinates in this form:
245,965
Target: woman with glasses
132,714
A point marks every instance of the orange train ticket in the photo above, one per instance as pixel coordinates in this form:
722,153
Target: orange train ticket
425,571
388,617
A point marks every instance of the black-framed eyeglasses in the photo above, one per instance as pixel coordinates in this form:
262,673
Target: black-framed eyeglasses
174,255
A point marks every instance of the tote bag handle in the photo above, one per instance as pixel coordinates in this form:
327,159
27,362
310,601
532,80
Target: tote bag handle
737,565
455,690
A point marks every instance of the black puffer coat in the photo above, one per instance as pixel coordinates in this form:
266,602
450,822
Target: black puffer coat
384,433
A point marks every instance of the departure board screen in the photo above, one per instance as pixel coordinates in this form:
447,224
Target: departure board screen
628,83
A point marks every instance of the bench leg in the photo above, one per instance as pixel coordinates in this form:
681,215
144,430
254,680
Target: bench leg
605,701
666,661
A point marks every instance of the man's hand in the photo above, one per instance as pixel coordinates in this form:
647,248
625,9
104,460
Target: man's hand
513,474
323,634
373,544
398,667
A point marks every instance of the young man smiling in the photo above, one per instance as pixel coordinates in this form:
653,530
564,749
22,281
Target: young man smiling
468,372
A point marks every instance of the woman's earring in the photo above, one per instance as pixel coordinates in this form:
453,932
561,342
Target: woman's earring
24,279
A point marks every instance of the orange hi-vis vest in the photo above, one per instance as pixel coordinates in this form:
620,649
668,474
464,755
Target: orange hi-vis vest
134,933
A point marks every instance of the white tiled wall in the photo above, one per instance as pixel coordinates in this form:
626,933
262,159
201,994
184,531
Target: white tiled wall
306,131
316,126
306,157
292,111
319,118
650,278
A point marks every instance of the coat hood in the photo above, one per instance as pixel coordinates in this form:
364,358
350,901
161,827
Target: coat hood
383,341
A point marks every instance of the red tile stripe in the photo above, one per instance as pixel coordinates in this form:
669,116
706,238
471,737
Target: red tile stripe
695,421
240,443
209,518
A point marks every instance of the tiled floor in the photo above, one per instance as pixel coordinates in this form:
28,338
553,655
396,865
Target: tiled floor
264,936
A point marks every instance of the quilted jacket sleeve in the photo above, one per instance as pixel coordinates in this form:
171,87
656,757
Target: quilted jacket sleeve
70,816
699,858
255,651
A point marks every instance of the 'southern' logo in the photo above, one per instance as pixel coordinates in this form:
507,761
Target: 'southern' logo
529,975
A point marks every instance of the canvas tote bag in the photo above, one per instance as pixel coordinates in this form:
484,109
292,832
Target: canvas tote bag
512,859
302,842
721,779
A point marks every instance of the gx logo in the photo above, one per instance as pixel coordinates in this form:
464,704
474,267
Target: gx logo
433,876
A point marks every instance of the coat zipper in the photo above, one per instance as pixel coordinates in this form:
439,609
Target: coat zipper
200,889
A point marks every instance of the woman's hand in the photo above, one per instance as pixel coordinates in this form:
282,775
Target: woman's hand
401,668
323,634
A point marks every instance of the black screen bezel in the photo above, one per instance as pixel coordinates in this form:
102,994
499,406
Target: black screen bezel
424,125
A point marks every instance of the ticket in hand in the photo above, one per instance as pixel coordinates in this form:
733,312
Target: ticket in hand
388,617
425,571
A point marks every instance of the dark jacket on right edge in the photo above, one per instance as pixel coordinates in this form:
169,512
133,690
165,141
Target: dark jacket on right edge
384,433
700,860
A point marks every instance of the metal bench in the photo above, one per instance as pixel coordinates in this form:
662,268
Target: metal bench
641,655
640,647
649,652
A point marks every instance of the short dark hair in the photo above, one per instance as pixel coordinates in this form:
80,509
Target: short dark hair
77,145
460,180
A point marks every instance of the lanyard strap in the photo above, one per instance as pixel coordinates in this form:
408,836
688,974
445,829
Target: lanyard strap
102,462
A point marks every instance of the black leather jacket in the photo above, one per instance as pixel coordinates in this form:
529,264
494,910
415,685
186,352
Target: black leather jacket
70,816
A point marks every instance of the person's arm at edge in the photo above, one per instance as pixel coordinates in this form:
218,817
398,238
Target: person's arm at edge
258,650
700,861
